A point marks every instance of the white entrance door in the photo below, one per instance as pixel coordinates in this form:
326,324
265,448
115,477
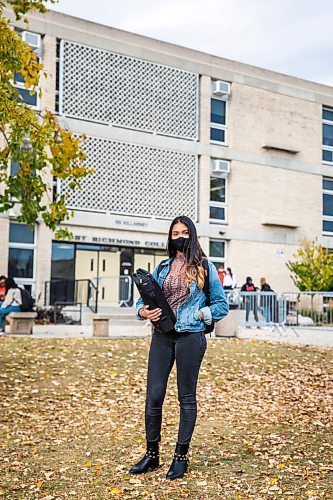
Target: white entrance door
147,262
109,266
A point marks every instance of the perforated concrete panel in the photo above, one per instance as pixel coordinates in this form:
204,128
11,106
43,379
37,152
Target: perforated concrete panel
105,87
137,180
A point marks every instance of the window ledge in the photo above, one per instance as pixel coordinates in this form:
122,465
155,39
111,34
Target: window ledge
218,143
279,223
284,148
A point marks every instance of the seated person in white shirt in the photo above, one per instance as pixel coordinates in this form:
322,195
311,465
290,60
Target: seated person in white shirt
12,302
229,281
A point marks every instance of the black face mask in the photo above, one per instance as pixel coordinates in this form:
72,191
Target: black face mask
179,243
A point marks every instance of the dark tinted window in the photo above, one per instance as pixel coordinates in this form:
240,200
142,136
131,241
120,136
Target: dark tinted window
328,204
217,189
327,155
328,135
217,213
20,263
63,260
216,249
217,113
217,134
21,233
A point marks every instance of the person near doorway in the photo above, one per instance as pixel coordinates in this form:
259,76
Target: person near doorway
230,281
267,300
12,302
2,289
250,299
182,278
221,273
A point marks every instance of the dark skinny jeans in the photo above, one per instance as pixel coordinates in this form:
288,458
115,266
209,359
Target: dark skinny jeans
188,350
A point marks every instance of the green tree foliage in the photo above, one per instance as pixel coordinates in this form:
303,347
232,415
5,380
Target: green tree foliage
33,140
313,269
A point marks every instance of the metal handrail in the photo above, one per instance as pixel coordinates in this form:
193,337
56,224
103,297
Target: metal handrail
90,286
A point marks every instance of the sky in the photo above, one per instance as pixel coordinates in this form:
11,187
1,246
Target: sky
294,37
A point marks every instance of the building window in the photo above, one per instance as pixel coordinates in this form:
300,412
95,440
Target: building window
328,206
218,111
21,261
57,76
327,136
26,96
217,252
218,188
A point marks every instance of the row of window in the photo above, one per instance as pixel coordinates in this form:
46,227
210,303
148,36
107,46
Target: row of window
328,206
328,136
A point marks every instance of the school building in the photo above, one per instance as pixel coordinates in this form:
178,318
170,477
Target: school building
247,153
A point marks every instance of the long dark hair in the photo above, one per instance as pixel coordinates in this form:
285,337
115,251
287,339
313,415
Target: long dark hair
230,271
193,252
10,283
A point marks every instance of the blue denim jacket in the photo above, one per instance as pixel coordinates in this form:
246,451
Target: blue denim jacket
187,313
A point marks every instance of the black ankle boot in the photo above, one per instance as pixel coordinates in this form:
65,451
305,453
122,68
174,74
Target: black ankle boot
179,463
150,461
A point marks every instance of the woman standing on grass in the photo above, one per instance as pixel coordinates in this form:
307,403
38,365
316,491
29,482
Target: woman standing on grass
182,278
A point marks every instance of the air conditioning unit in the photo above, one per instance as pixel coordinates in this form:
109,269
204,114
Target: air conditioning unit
220,167
32,39
221,89
15,211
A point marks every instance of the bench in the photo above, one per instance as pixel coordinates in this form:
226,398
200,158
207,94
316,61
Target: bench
100,325
21,322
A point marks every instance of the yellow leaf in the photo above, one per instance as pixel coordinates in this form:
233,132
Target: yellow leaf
274,480
88,464
115,491
282,466
39,484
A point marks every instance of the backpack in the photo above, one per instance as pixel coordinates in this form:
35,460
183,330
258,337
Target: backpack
206,291
27,301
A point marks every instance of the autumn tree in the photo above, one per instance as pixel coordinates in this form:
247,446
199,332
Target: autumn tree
313,268
32,140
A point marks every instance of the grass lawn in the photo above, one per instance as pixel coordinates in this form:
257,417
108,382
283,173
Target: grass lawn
72,421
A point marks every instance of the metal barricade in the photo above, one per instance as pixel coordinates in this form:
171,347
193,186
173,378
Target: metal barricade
309,309
264,310
283,313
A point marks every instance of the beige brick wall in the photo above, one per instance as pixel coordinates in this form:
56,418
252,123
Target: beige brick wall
4,237
43,260
260,193
248,258
48,85
259,117
204,189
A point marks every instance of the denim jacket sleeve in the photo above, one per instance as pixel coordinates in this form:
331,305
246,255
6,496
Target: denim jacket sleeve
139,303
219,307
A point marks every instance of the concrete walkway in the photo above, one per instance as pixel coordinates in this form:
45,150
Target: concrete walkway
309,336
116,330
130,329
